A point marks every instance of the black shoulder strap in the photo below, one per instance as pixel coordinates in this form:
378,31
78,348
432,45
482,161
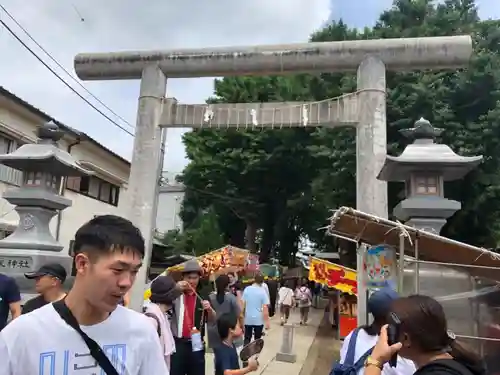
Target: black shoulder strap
95,350
153,316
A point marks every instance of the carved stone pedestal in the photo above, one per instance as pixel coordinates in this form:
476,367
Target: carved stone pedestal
286,351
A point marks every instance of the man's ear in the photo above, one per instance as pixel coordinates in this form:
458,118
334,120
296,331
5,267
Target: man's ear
82,262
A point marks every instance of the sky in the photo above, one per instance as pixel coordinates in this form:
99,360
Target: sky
66,28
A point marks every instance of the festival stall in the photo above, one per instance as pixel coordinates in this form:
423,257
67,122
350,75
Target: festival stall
428,263
221,261
344,281
269,271
224,260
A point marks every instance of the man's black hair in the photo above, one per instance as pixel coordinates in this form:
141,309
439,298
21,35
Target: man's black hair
225,323
109,233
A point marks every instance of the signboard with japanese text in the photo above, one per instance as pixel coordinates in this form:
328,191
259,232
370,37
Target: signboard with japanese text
15,264
333,276
380,266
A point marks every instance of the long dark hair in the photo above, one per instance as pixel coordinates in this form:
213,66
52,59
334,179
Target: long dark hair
373,329
221,284
423,320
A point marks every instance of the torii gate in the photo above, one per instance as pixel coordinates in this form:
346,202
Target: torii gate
364,109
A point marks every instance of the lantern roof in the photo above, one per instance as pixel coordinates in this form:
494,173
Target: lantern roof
425,156
45,155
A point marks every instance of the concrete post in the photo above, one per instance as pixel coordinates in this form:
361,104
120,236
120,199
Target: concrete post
286,353
371,149
144,172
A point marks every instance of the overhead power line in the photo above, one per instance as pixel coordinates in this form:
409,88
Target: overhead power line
60,66
13,33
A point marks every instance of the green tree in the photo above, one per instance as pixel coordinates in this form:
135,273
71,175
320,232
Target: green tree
284,182
203,236
463,102
252,173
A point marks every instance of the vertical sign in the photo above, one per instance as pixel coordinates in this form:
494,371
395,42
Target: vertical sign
380,266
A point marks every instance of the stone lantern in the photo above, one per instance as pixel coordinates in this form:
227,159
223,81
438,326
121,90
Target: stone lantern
37,201
424,166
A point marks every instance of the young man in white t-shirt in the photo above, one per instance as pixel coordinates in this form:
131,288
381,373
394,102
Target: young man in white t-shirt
108,254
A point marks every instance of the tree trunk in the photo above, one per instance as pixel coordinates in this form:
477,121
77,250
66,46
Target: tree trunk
289,246
250,236
268,238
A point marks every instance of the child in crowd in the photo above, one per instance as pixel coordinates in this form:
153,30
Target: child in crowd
226,357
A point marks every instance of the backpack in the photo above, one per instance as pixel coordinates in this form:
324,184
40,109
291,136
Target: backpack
303,296
349,367
153,316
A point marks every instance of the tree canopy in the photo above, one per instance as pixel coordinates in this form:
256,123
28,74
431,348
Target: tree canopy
203,236
269,188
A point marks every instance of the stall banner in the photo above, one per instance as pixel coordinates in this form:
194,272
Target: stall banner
333,276
380,266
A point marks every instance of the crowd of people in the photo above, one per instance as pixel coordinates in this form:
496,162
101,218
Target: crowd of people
88,328
425,346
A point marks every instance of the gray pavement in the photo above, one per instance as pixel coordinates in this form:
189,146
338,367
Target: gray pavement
303,339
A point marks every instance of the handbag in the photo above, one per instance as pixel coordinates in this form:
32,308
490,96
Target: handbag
95,349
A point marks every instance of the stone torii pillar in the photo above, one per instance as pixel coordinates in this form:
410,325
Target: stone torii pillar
370,58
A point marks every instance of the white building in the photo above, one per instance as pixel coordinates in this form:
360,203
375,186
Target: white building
169,207
103,193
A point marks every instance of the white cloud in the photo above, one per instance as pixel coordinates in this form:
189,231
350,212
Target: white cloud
113,25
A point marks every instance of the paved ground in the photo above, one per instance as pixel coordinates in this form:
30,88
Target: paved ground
324,351
303,339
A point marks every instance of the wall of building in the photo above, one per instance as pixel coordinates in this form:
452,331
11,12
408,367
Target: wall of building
18,126
82,210
169,207
107,169
14,130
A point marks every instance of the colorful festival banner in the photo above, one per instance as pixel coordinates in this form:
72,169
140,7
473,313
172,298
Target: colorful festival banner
380,266
333,276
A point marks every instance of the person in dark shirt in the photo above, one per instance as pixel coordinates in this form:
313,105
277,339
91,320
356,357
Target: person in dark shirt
49,281
10,299
226,357
424,339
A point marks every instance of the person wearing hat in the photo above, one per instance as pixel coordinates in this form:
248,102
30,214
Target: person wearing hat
164,292
49,280
189,314
379,305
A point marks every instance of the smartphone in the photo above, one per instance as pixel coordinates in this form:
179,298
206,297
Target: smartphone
393,333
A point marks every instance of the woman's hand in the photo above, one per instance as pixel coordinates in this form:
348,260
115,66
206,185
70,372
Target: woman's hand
382,352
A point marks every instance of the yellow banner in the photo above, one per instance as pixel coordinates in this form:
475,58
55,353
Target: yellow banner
333,275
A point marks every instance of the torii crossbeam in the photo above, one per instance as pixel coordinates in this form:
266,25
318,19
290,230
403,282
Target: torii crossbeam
365,109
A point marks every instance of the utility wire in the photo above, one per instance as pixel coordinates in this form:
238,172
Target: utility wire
60,66
62,79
